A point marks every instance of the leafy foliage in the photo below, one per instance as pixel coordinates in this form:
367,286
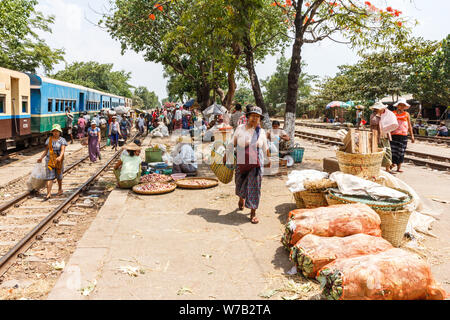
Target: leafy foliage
149,98
20,46
429,78
277,85
97,76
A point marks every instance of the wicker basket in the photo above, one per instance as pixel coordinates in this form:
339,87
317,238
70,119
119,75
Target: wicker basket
331,201
312,199
362,165
375,205
393,225
299,201
183,183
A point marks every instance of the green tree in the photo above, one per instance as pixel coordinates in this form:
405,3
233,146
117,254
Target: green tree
149,98
356,22
20,46
244,96
97,76
277,84
429,79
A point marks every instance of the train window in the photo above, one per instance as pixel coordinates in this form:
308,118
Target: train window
50,104
2,103
24,104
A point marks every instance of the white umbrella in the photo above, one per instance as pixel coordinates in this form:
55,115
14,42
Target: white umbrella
215,109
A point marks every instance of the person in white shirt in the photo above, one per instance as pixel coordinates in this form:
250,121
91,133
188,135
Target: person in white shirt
277,137
184,159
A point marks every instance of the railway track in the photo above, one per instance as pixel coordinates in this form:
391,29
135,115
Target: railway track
27,220
437,140
417,158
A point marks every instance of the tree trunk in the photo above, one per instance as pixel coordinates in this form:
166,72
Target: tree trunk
228,100
204,96
294,74
257,93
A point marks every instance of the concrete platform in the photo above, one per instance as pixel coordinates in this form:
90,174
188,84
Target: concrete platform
195,244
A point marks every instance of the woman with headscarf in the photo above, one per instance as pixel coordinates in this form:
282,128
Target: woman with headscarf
55,147
94,138
400,135
81,127
251,145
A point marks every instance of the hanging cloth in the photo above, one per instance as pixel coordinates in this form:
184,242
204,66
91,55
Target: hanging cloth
52,162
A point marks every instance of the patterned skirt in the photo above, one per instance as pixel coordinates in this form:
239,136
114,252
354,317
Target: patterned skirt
248,187
398,147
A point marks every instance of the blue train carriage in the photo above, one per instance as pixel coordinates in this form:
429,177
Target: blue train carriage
15,123
49,100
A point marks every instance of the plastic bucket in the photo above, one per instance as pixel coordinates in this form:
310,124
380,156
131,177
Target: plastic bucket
297,154
153,155
108,142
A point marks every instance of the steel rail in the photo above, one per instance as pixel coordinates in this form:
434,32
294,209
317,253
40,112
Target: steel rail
22,196
35,234
336,142
438,140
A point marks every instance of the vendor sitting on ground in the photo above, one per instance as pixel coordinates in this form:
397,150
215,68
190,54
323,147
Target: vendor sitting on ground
442,130
128,169
184,159
418,125
278,137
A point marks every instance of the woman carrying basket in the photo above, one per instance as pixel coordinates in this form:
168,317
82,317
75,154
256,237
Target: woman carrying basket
250,141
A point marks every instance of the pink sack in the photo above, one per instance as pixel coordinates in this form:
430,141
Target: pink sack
388,122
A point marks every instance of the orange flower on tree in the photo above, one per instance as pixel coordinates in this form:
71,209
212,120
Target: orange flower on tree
389,9
152,16
159,7
399,23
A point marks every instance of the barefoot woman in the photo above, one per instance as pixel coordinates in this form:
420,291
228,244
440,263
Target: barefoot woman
55,146
251,143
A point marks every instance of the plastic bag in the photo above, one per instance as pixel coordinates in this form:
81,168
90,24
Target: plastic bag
337,220
296,179
37,178
388,122
313,252
394,274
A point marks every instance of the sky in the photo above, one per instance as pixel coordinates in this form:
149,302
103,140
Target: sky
75,30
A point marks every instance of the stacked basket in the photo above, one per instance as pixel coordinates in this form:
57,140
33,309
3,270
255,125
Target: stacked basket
394,215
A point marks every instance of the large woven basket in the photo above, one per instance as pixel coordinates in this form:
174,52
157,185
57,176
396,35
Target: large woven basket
223,172
299,201
362,165
312,199
393,225
376,205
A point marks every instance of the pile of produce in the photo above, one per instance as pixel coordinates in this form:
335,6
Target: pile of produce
394,274
313,252
155,177
319,185
154,188
197,183
337,220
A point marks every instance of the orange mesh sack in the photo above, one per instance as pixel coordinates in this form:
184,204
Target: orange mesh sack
313,252
394,274
338,220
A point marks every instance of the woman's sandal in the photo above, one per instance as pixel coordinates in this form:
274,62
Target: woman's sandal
254,219
46,198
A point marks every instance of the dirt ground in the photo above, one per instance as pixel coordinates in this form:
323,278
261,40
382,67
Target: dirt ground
195,244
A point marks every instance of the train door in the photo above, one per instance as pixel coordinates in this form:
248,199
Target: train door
15,103
81,102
